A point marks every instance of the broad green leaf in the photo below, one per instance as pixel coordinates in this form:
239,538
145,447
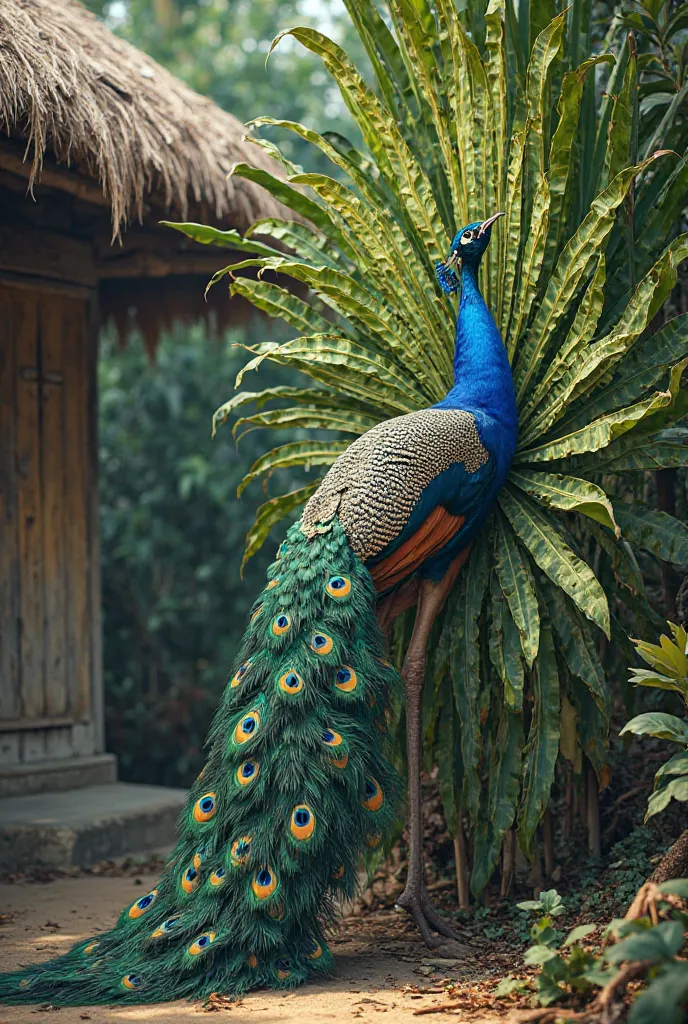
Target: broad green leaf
619,144
278,302
382,137
568,493
538,534
542,748
306,396
549,397
465,669
306,241
677,789
307,418
575,258
581,932
223,239
654,531
512,231
271,513
296,453
505,647
504,783
346,366
659,943
665,450
601,432
291,197
664,1000
676,765
578,648
561,158
517,585
658,724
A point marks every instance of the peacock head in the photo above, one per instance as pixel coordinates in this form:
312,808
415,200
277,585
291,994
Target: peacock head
468,246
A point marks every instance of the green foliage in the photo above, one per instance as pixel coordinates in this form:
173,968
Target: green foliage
469,112
571,967
171,538
668,671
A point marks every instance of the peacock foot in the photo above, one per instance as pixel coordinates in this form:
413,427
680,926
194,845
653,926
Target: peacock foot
427,920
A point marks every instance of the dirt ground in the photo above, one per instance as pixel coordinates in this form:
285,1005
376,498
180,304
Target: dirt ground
381,966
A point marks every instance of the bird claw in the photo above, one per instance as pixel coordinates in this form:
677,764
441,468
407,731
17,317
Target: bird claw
427,921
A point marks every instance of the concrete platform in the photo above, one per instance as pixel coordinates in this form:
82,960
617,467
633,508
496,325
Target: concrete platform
54,776
79,827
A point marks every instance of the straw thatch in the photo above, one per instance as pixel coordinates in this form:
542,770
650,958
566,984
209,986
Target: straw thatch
73,90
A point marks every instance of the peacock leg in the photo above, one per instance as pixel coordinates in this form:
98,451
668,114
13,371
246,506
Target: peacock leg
414,899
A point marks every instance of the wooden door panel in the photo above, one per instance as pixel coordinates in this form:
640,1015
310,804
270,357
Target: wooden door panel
10,699
55,523
29,505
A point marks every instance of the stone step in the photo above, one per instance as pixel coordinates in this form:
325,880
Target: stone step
79,827
53,776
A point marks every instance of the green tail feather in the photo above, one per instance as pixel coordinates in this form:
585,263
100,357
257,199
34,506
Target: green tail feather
296,787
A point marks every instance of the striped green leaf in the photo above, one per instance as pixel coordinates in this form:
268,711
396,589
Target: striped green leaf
653,531
296,453
539,535
503,787
465,668
270,514
517,585
542,748
223,239
567,493
578,648
574,261
278,302
307,418
291,197
505,648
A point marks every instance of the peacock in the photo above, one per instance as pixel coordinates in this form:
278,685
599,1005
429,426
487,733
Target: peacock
299,781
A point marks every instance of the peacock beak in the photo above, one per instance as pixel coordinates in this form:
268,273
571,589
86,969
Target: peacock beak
452,259
490,220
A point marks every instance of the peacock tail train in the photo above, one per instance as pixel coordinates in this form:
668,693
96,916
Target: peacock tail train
296,787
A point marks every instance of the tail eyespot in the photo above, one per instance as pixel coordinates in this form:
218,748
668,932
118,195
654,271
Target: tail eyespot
374,796
131,981
345,679
139,908
26,982
264,883
238,676
280,624
87,950
241,850
315,951
338,586
291,682
331,738
218,878
256,613
338,872
190,879
272,583
247,772
283,968
199,857
165,927
302,822
247,727
252,960
202,943
373,840
321,643
340,762
204,808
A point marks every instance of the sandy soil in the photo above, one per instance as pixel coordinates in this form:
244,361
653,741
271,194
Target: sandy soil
381,967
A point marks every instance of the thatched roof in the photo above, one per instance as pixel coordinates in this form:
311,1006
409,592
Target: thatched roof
73,90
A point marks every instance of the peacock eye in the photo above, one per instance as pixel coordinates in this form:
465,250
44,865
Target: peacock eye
466,237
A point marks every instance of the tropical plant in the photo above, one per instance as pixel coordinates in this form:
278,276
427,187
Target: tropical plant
570,968
668,671
472,112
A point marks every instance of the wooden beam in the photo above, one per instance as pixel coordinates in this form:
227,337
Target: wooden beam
53,176
34,724
43,284
44,254
162,264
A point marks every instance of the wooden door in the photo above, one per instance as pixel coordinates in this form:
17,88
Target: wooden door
49,618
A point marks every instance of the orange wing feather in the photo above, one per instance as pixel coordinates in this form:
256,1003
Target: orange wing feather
429,538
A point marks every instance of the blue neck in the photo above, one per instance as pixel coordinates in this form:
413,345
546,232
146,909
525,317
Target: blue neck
482,375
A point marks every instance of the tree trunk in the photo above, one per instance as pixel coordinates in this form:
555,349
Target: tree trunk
674,863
